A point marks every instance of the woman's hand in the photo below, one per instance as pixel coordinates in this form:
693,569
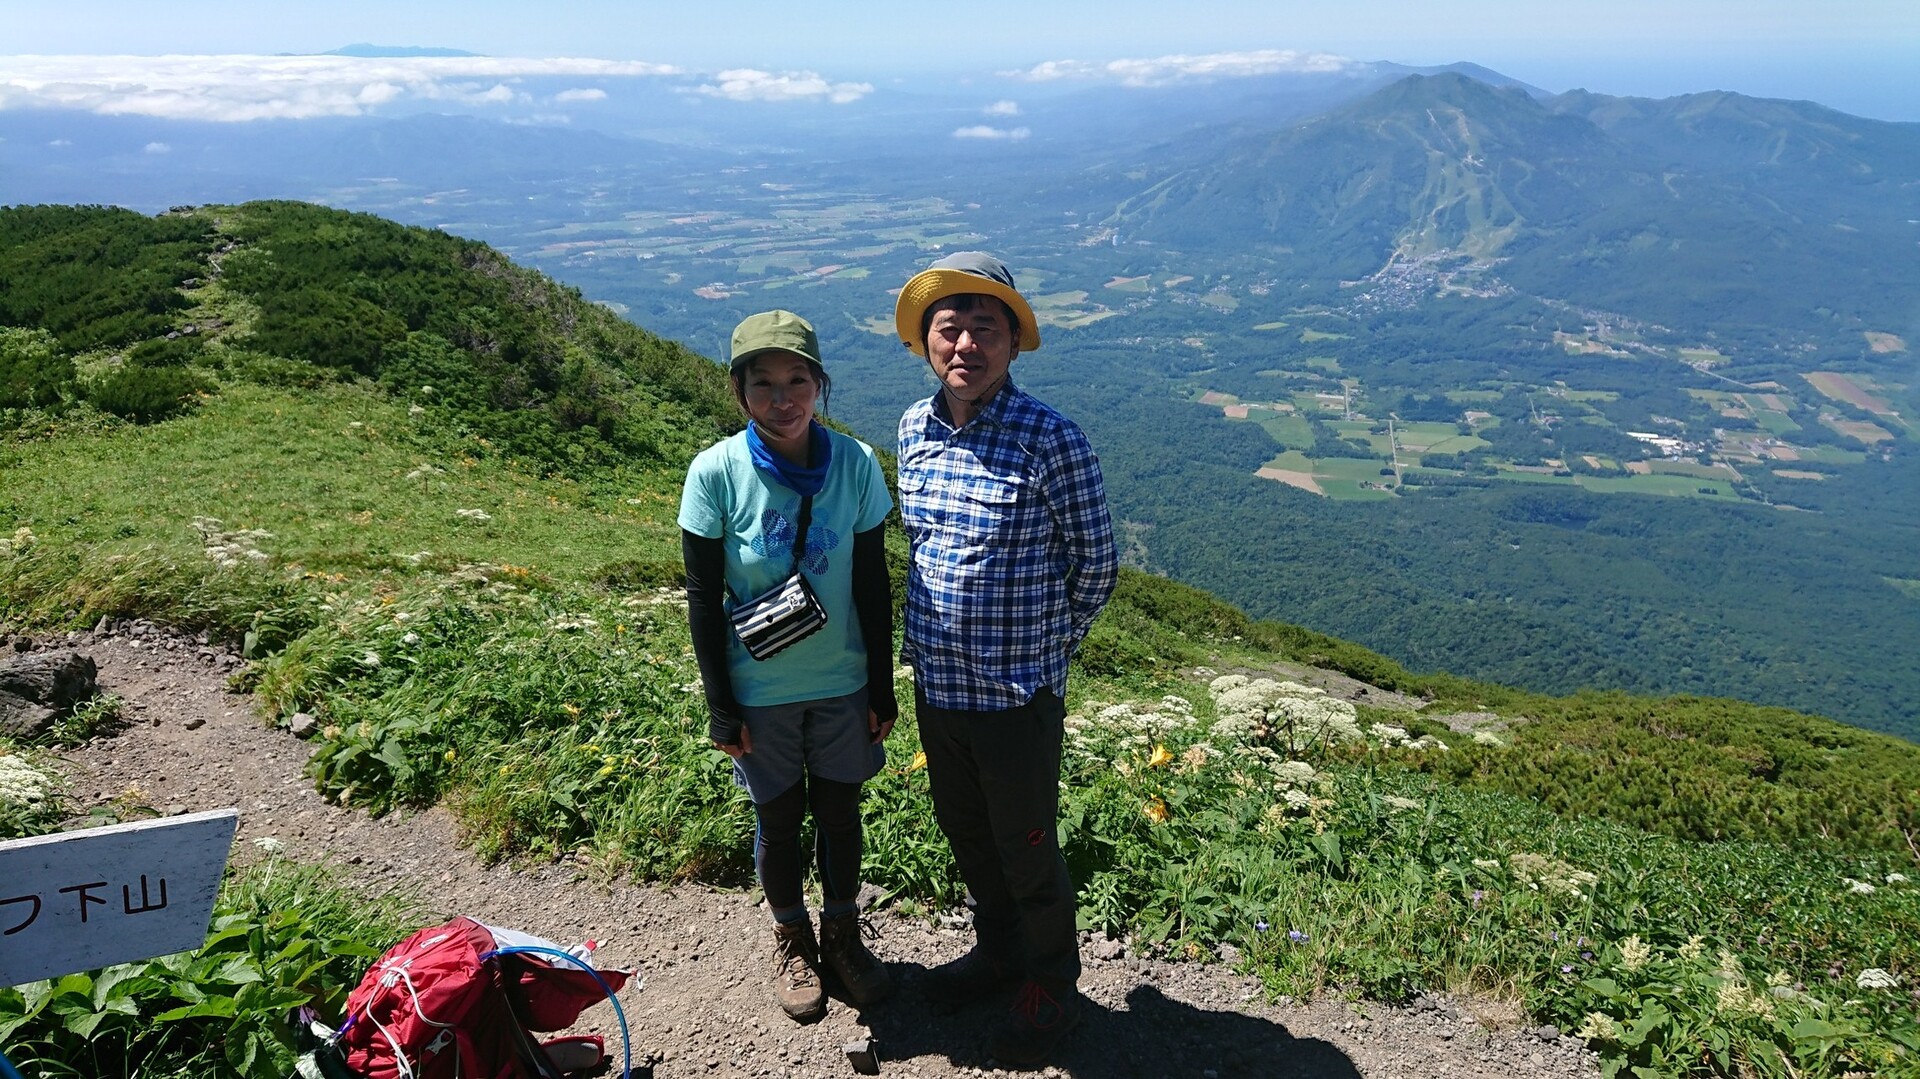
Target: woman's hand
878,727
740,748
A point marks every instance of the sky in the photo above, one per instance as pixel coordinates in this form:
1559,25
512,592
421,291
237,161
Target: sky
1860,56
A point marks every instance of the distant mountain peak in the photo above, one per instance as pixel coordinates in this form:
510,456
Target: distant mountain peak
1485,75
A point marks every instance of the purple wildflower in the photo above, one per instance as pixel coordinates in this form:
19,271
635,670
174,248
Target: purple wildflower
1296,936
1261,927
1477,896
1566,968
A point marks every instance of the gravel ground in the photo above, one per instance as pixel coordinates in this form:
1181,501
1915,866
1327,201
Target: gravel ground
701,1005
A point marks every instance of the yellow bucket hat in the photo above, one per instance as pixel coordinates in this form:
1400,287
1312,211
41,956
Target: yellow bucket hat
960,273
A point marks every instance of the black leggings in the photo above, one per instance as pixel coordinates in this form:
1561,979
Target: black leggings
836,826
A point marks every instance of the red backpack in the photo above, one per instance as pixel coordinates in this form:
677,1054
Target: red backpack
457,1001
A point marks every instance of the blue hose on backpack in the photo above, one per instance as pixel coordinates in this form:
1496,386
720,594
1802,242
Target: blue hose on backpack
626,1036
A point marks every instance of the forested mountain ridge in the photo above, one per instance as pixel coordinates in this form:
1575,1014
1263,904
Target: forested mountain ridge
158,310
1627,205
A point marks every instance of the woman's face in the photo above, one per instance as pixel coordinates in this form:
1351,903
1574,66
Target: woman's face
780,393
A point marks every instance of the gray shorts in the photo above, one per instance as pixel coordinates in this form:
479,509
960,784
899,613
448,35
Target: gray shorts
826,738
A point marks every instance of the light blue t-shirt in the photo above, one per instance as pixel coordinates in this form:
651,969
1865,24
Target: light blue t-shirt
754,515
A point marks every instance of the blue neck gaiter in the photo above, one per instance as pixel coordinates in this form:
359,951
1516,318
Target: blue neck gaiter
802,479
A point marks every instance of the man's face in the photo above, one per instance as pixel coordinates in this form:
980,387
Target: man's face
971,349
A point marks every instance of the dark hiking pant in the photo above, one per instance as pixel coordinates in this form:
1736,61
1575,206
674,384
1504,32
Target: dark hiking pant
996,794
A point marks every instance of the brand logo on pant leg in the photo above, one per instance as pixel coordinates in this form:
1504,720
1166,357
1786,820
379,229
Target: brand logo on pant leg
1036,837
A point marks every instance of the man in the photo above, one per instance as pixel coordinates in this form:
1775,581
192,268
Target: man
1012,557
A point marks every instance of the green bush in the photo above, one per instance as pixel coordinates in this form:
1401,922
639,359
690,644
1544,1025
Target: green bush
34,373
148,394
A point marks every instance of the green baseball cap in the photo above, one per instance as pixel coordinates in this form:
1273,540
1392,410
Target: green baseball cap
774,331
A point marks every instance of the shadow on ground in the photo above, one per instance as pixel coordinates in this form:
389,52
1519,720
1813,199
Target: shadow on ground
1152,1037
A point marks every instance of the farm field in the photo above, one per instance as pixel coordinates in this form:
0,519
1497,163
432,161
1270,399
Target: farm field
1842,388
1287,429
1690,468
1338,478
1351,479
1657,484
1435,438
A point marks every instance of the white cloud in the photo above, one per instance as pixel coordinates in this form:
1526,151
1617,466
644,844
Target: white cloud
747,84
237,88
158,148
1162,70
1003,108
565,96
982,131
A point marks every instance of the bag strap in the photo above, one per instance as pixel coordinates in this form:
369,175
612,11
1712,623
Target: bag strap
800,526
800,530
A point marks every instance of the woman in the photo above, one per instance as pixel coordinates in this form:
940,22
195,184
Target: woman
804,726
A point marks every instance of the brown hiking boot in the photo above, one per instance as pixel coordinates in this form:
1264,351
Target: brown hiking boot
796,982
1036,1024
971,978
863,976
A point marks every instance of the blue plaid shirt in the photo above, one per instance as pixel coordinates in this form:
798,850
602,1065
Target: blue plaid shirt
1013,551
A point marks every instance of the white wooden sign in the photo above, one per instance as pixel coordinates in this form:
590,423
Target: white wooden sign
77,901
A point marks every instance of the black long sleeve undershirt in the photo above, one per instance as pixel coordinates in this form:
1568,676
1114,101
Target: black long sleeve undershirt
705,561
873,606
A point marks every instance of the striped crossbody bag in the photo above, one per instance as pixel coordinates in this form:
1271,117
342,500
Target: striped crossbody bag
786,613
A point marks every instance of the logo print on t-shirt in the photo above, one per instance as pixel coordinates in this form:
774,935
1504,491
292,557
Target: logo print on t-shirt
776,540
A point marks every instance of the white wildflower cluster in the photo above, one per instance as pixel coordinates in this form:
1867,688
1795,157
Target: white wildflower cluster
664,596
1634,953
1205,672
1858,887
229,549
1300,717
1294,774
1394,801
426,470
1487,738
1736,1000
1135,726
568,623
1389,735
1598,1027
474,515
21,784
1896,878
1543,874
19,542
1876,978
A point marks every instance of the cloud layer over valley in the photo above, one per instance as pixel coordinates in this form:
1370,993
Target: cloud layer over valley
238,88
